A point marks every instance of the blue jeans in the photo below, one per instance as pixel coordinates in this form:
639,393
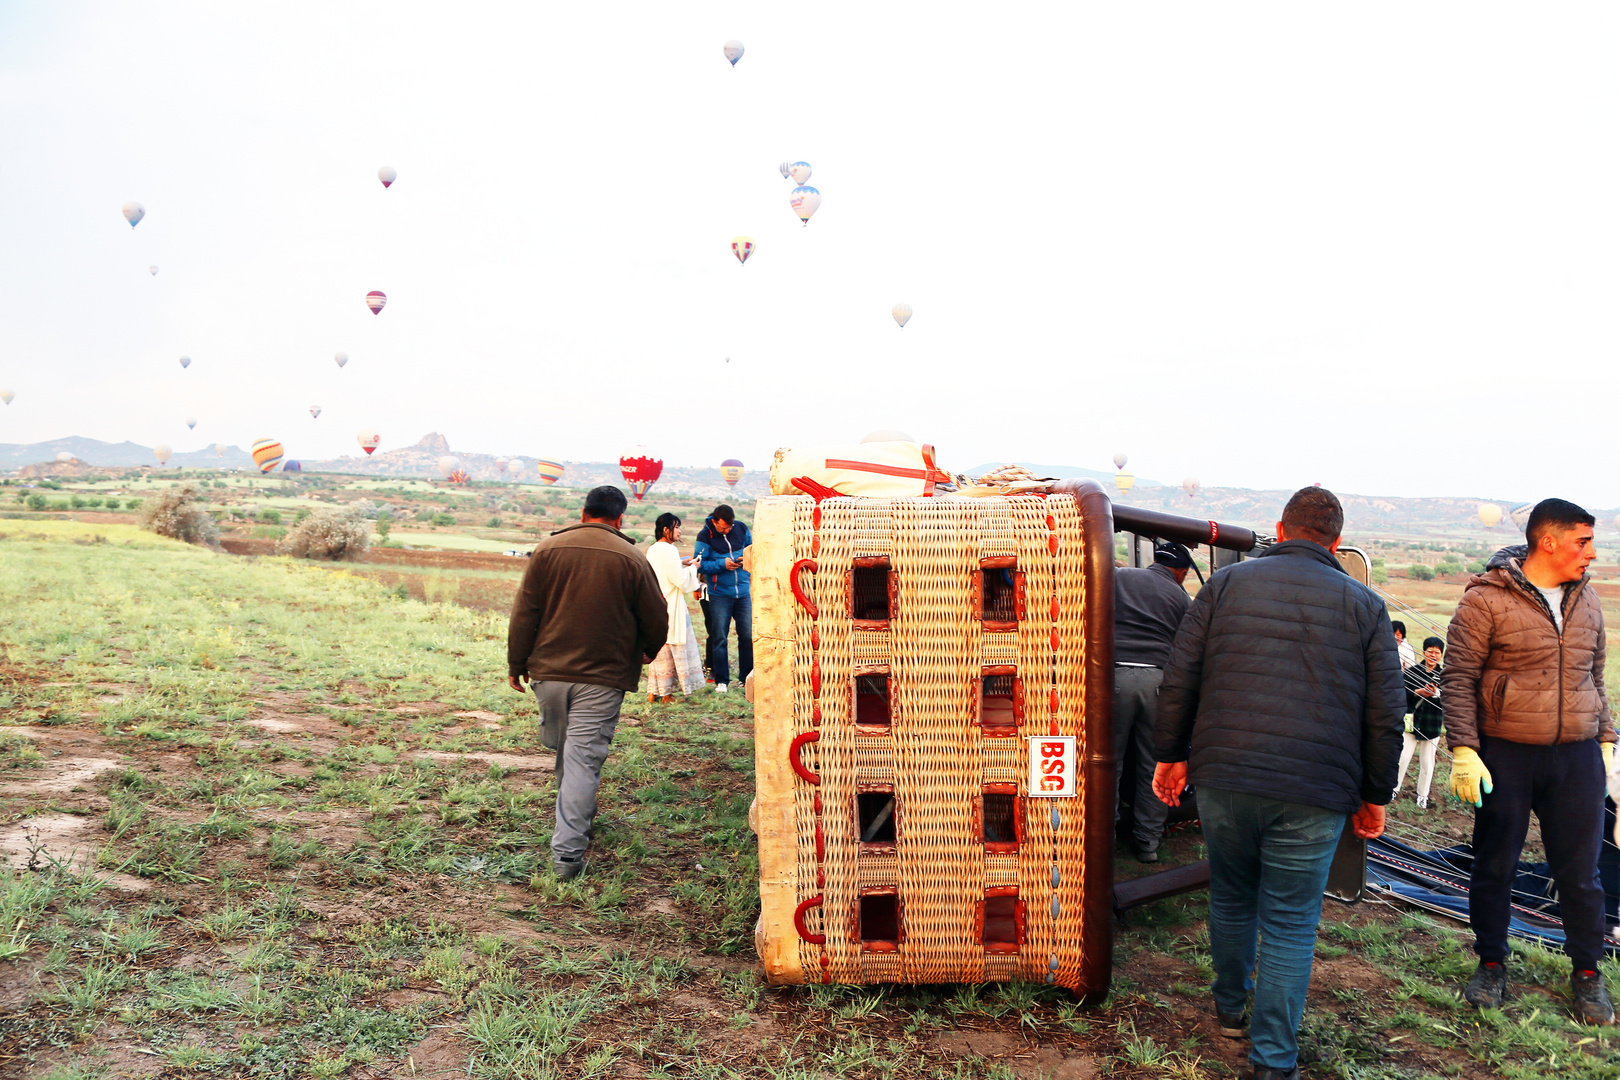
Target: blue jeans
722,609
1268,865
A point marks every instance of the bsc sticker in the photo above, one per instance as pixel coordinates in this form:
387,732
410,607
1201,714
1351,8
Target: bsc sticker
1052,766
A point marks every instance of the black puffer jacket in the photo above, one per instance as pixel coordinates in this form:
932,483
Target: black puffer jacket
1284,682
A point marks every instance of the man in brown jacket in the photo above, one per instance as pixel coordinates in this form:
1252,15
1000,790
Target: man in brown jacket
588,614
1529,730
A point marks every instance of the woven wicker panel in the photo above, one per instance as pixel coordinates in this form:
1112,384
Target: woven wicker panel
805,796
840,771
1071,670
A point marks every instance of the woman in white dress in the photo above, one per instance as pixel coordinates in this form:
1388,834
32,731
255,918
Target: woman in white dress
679,665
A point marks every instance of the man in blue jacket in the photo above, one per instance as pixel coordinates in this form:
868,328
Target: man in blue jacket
1284,690
720,545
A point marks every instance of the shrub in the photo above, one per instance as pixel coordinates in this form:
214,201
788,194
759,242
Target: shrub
178,513
443,519
77,502
1380,575
1477,566
93,503
270,516
1449,568
1419,572
495,522
37,501
303,512
328,533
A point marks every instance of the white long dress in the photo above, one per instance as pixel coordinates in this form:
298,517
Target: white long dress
679,665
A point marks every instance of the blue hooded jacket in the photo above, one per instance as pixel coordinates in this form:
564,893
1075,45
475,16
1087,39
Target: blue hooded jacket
713,549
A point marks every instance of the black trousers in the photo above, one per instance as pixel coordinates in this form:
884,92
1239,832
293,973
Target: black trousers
1564,786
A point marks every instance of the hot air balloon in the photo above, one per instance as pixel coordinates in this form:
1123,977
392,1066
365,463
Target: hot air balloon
500,465
191,423
731,471
6,395
387,174
63,456
1520,515
786,169
641,469
515,466
219,449
315,412
888,435
1190,486
733,50
902,314
153,269
185,361
742,247
800,171
461,477
369,440
448,465
292,465
133,212
550,471
1490,514
805,201
1616,521
1124,481
376,301
341,358
162,452
1120,460
267,454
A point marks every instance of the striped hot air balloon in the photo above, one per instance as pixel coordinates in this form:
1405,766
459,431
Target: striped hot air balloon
902,314
550,471
376,301
268,454
742,247
641,469
731,471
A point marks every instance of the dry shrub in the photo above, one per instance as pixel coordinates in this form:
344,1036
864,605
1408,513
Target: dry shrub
179,513
329,533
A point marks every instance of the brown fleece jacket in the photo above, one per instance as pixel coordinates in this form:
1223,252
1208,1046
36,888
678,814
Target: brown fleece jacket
588,610
1510,674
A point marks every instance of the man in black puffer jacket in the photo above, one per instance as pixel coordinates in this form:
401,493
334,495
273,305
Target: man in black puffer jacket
1284,689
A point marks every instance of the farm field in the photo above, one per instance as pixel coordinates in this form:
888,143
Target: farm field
269,817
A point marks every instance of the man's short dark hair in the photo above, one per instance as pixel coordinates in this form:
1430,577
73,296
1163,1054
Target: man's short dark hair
1433,643
1551,514
605,503
724,513
1398,627
666,520
1314,513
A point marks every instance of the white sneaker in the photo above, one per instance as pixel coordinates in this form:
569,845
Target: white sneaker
720,688
1423,802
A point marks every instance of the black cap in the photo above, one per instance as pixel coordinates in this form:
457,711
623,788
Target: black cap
1171,554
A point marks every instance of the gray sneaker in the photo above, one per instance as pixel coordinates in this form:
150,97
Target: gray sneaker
1591,997
1486,989
567,869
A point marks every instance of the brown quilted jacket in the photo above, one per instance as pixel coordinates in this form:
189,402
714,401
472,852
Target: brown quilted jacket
1511,675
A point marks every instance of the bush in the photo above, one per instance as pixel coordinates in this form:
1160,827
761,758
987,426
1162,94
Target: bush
1419,572
77,502
495,522
1477,566
385,521
1449,568
132,504
1380,575
37,501
270,516
328,533
303,512
179,514
443,519
93,503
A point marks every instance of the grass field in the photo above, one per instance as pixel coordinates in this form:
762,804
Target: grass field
266,818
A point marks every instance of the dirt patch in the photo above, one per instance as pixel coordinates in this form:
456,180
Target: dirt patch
275,723
515,762
61,775
67,840
437,1057
1028,1062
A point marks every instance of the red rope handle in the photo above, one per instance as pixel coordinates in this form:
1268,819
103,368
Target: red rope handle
793,756
798,590
798,921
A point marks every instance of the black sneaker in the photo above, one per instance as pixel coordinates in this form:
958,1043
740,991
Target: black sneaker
1591,997
567,869
1145,854
1486,988
1263,1072
1233,1027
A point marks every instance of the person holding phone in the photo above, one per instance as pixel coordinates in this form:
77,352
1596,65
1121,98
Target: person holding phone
720,546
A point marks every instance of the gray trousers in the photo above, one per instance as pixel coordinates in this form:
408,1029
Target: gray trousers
577,720
1136,709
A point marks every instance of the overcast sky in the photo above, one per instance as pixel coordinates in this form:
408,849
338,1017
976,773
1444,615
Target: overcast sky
1369,245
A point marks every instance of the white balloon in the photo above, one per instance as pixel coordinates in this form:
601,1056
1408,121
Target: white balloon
902,314
63,456
153,269
800,171
341,358
133,212
786,169
6,395
191,422
1120,460
387,174
448,464
315,411
733,50
162,452
805,201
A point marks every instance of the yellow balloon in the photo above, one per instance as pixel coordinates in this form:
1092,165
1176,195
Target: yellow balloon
1490,514
1124,481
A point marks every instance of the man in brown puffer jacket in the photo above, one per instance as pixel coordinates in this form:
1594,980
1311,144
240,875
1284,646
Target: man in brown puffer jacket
1529,729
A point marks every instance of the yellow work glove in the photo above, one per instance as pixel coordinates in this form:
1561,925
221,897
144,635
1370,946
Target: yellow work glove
1470,779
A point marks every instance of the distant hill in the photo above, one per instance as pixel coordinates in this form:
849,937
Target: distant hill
124,454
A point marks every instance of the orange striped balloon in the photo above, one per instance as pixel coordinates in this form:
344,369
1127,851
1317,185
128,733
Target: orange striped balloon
550,471
267,454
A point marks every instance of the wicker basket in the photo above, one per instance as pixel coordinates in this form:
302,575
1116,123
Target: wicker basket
912,656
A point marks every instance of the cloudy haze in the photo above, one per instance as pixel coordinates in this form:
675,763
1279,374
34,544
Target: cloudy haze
1266,245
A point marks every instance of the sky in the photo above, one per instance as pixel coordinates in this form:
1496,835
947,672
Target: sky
1266,245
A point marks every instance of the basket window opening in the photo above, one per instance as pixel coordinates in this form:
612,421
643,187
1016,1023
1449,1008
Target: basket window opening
996,705
875,813
872,701
869,593
1000,921
880,918
1000,812
1000,593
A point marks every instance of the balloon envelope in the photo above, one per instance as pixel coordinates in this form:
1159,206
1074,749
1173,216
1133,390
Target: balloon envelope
888,435
341,358
1120,460
133,212
448,465
153,269
315,411
1190,486
805,201
387,175
369,440
185,361
292,466
219,449
1124,481
742,247
162,452
733,50
800,171
191,422
786,169
500,464
1520,515
267,454
550,471
641,469
63,456
731,471
1490,514
376,301
6,395
902,314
